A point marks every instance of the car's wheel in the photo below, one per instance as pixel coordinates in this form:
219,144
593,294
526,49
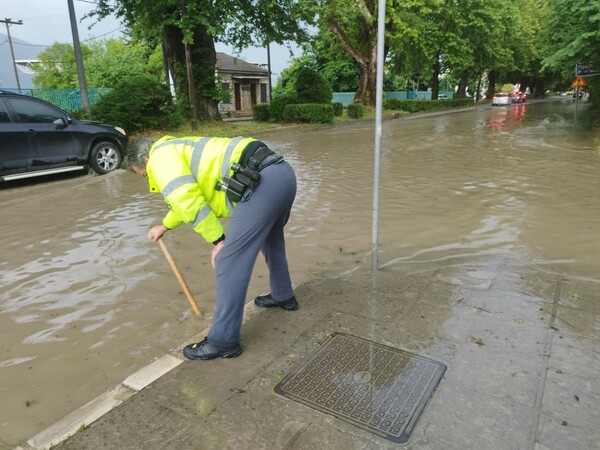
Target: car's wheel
105,157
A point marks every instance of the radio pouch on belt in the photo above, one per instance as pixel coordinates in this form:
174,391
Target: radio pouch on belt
234,190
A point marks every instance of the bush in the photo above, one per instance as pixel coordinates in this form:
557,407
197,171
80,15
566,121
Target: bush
338,109
355,111
277,106
312,87
309,112
261,113
138,103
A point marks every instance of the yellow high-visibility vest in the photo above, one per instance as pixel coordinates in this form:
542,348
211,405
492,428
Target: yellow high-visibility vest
186,171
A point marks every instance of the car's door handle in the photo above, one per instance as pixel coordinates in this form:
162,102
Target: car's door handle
32,131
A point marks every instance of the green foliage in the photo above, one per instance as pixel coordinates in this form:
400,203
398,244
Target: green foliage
311,87
278,105
355,111
286,84
138,103
572,36
261,113
335,63
58,68
425,105
113,60
196,25
338,109
106,63
309,112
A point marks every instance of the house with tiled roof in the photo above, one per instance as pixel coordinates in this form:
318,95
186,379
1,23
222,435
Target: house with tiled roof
247,84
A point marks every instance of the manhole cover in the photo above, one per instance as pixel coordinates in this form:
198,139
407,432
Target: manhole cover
375,387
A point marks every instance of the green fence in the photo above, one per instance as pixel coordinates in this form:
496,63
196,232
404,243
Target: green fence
67,99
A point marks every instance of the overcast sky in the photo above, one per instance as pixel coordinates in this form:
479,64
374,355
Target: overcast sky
47,21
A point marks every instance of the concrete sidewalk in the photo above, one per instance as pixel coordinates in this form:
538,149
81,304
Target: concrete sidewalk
521,352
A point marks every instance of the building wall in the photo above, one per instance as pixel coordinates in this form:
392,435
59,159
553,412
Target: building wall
242,105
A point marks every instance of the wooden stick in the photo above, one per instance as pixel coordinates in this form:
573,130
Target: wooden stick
184,285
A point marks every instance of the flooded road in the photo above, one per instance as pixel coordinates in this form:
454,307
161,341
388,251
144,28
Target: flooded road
86,299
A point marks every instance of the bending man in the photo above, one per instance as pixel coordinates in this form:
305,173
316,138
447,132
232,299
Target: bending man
203,179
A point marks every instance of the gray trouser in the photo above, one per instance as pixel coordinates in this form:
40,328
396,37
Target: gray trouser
256,224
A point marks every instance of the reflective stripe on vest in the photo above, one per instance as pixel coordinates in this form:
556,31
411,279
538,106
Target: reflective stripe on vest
226,165
176,183
197,154
202,214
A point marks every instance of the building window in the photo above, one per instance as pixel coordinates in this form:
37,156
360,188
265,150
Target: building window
263,92
226,93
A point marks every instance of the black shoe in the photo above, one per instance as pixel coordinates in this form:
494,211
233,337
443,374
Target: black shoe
205,350
266,301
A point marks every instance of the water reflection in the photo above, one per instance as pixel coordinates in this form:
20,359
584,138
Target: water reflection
508,118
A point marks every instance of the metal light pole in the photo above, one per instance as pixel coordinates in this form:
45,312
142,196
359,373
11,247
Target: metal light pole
8,23
85,100
190,75
378,114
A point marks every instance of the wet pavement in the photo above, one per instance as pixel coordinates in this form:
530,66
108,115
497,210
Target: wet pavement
487,264
520,375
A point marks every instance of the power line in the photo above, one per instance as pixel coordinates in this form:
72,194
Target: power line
29,45
104,34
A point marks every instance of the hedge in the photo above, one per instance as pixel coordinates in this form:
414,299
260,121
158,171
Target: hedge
309,112
278,105
261,113
425,105
355,111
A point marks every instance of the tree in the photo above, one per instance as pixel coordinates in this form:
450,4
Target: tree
114,60
572,36
334,62
138,102
197,24
311,87
106,62
58,68
355,25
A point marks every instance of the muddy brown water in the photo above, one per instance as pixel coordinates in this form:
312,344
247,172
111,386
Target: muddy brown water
86,299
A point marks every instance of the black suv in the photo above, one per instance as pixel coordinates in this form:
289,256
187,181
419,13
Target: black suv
37,138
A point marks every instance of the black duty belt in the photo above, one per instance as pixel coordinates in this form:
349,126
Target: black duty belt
255,157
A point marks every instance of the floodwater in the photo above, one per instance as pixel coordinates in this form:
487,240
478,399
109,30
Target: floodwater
86,299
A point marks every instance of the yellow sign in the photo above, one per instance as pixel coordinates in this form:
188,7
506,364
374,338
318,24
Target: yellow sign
579,82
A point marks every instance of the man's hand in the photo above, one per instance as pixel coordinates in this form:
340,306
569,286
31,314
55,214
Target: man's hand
156,232
215,251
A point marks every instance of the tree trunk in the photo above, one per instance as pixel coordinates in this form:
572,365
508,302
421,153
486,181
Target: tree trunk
367,86
461,91
204,59
435,80
364,52
491,85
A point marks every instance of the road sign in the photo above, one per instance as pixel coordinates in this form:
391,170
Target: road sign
586,70
579,82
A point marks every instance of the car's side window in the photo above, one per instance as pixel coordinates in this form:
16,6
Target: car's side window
31,111
3,114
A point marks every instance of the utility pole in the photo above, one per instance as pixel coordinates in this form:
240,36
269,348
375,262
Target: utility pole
85,100
269,69
8,23
190,74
